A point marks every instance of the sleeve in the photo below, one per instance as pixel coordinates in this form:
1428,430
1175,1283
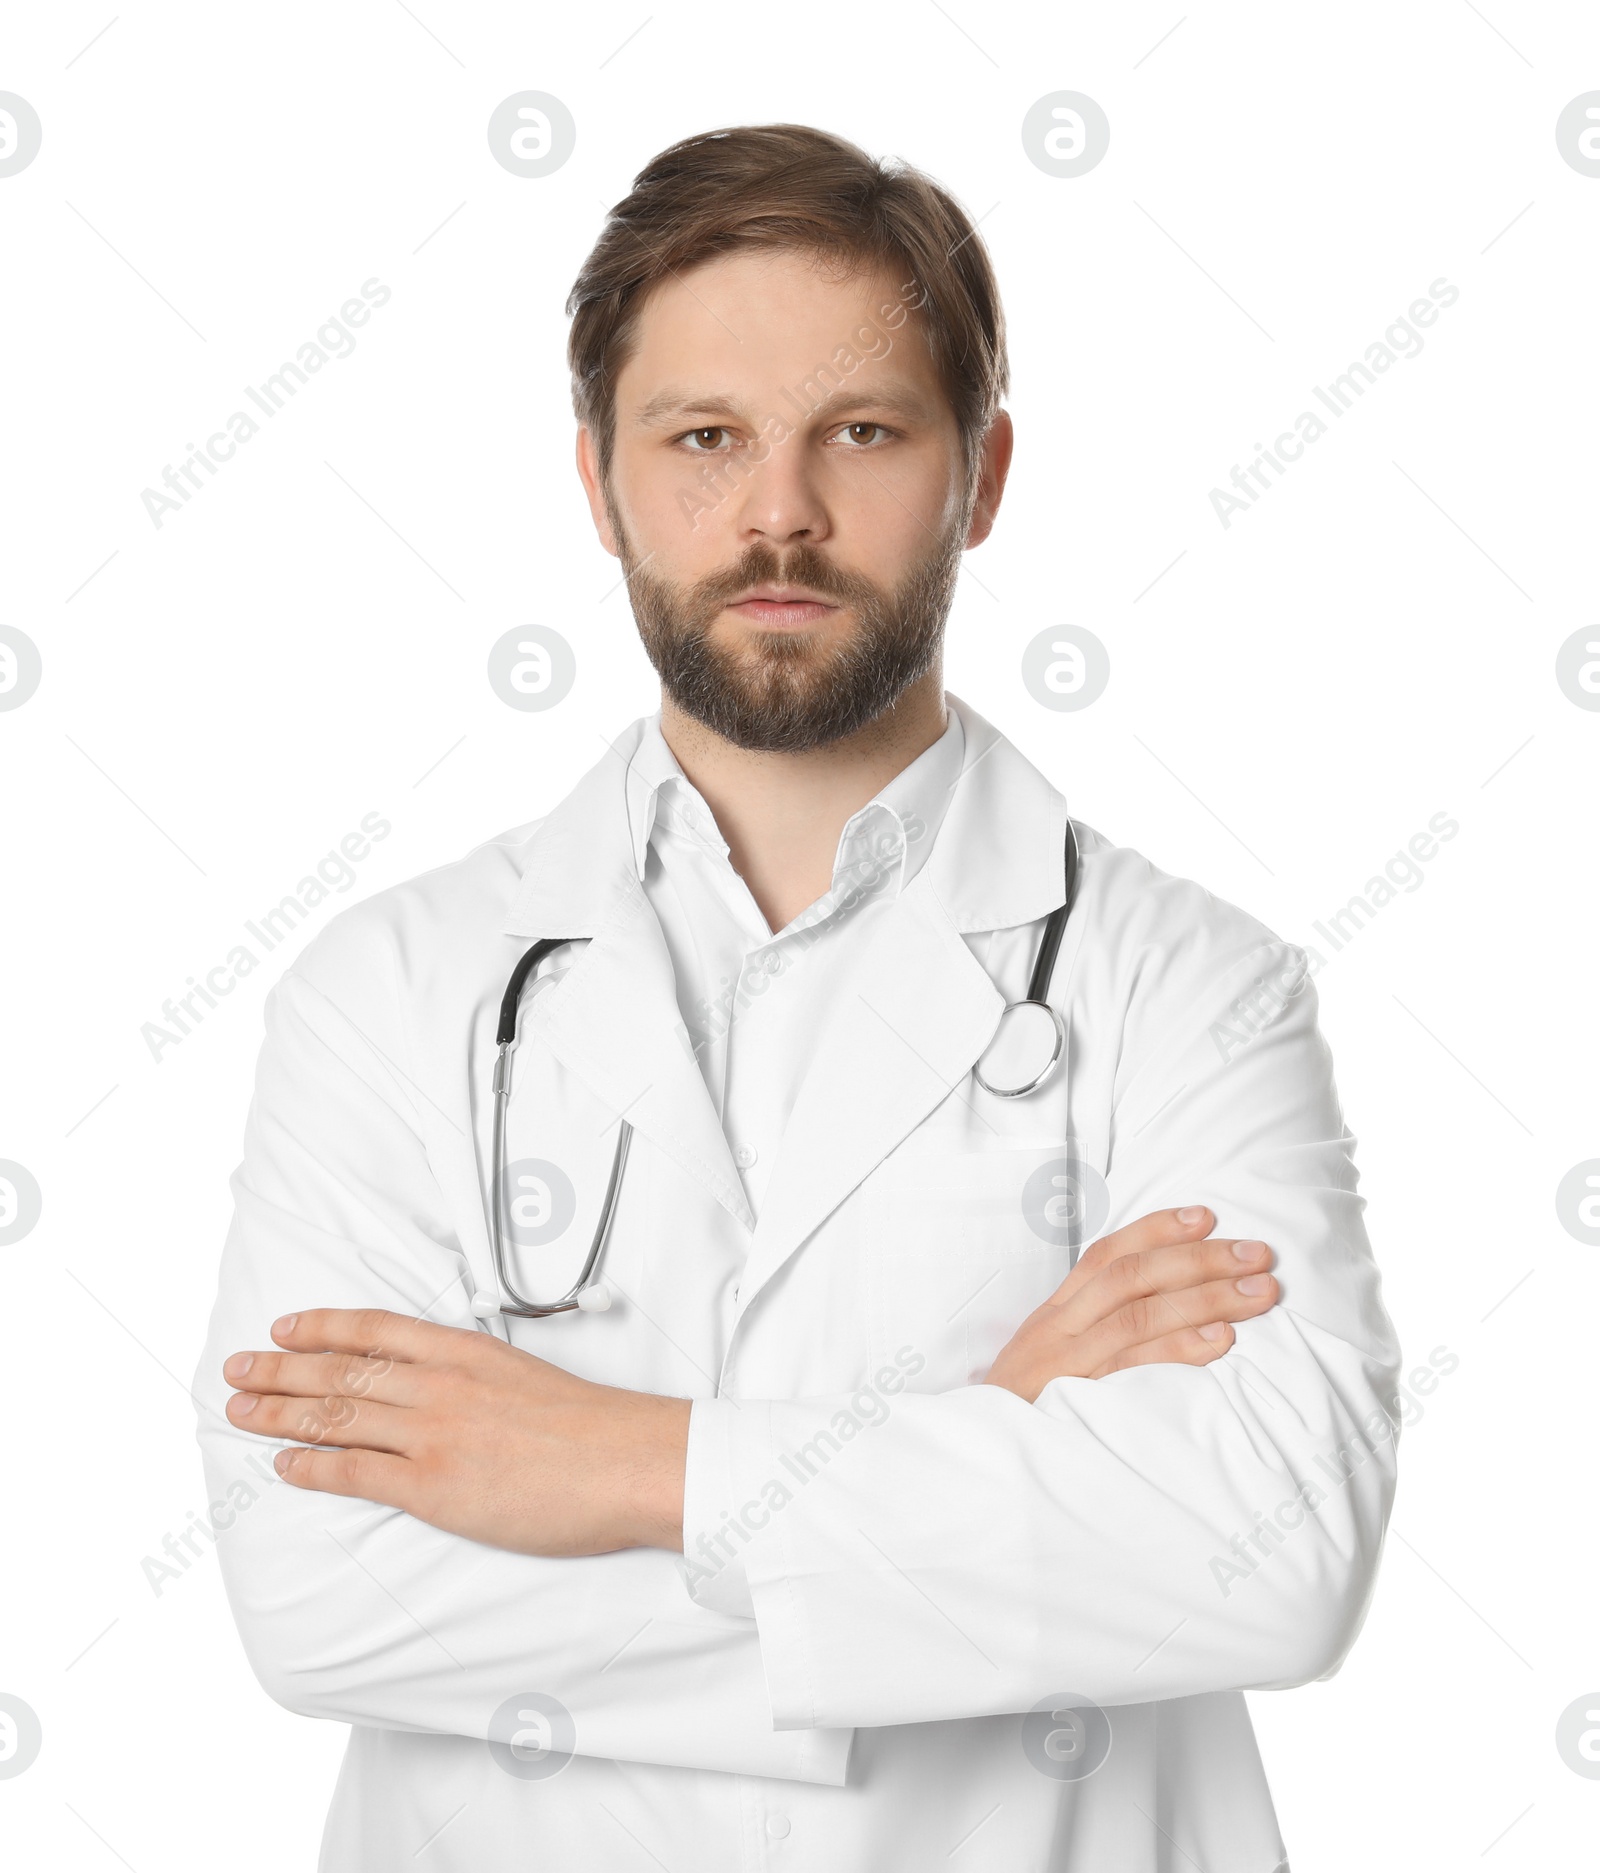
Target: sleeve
1162,1532
713,1463
360,1613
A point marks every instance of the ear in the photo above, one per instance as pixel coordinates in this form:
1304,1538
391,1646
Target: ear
994,464
589,475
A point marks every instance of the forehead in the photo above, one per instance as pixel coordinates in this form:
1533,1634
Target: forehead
746,319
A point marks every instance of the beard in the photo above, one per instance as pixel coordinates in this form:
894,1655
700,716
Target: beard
787,692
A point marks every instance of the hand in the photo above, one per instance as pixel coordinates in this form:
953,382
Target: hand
461,1430
1151,1294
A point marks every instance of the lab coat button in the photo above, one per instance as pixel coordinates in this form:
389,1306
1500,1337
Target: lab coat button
777,1825
745,1156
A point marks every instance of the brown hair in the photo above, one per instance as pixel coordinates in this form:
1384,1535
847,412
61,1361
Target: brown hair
787,186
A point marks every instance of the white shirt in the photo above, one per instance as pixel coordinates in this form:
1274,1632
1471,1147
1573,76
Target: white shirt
893,1574
752,1001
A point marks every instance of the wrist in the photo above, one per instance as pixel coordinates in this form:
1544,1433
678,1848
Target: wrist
662,1451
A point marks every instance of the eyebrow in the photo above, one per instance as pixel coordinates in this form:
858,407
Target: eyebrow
674,405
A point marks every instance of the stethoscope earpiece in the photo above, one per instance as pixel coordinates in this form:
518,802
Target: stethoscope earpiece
595,1299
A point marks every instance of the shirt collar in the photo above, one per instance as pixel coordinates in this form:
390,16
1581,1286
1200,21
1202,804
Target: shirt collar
884,842
997,863
661,796
896,829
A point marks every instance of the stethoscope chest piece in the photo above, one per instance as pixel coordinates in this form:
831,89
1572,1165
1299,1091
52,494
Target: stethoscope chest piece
1026,1051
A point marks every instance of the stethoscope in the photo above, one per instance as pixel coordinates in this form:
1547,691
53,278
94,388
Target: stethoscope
1030,1031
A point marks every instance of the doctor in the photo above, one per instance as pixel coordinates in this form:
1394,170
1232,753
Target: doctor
872,1525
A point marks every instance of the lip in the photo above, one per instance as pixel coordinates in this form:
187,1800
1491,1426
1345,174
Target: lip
782,607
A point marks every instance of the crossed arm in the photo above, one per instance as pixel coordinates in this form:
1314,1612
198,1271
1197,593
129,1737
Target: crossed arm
506,1524
483,1440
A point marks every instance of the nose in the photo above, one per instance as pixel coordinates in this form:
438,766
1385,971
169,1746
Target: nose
779,500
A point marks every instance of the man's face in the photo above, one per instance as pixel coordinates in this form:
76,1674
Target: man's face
787,495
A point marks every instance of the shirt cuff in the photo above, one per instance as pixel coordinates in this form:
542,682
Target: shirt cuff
716,1528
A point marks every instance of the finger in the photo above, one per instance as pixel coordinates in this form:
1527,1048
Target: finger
1152,1316
1154,1231
1237,1297
364,1473
375,1332
1187,1347
332,1420
1163,1270
320,1375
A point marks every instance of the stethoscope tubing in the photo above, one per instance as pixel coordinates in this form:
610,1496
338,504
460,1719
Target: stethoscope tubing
506,1040
1038,995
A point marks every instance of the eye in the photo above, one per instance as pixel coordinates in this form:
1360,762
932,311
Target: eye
852,434
704,441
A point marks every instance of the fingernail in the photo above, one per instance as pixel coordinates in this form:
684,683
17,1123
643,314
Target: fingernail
1255,1284
238,1366
1249,1251
247,1402
1195,1213
1215,1331
286,1324
281,1462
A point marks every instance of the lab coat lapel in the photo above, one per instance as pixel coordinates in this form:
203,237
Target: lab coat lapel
917,1011
612,1020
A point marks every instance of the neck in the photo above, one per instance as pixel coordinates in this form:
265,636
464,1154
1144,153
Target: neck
782,814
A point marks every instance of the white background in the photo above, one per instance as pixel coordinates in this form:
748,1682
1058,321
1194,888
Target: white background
1373,643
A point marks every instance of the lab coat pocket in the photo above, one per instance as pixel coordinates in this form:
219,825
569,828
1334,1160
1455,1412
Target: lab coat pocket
961,1246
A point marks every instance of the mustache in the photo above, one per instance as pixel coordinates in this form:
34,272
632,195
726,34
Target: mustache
764,565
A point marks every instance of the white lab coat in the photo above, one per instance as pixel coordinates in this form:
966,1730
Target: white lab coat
842,1686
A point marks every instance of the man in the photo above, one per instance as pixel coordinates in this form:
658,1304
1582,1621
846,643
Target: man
864,1530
